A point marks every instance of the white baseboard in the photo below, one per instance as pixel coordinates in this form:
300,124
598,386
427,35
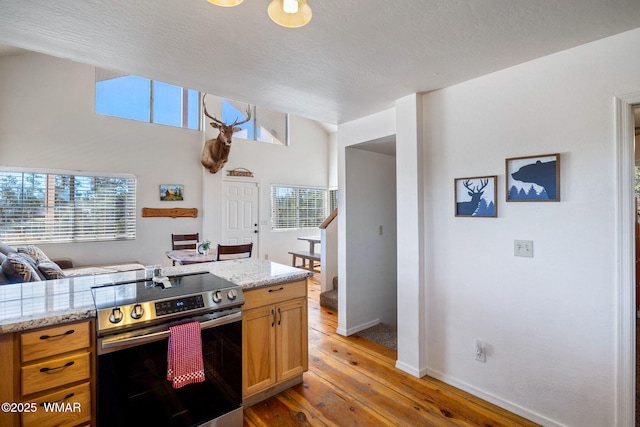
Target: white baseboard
505,404
356,329
418,373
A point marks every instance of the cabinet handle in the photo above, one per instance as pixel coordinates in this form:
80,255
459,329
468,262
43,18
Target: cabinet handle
277,290
46,337
280,313
68,396
273,315
66,365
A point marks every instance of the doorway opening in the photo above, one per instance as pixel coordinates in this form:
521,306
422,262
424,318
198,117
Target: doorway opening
625,274
370,285
636,235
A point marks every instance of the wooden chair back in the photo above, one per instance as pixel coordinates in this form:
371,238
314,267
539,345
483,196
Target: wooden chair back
184,241
227,252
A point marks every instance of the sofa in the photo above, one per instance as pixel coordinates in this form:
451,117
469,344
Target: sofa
30,264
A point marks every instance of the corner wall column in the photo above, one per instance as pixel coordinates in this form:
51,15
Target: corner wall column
411,254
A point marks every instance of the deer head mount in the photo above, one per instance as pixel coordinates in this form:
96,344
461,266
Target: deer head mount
216,151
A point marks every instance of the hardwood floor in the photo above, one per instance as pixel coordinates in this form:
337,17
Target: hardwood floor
353,382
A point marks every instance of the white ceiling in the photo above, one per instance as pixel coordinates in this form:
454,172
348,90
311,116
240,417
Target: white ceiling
355,57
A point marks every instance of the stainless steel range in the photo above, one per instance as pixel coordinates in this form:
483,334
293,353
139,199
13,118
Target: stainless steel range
133,323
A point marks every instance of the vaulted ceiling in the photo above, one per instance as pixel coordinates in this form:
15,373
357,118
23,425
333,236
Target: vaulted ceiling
353,59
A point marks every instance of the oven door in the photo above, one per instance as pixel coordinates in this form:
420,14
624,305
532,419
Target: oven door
132,386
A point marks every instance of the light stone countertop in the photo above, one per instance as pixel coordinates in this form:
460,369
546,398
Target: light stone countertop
32,305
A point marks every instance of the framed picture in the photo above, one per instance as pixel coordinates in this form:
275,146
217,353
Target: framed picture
476,197
533,178
171,192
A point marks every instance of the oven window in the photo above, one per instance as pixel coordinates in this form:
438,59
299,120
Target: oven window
133,389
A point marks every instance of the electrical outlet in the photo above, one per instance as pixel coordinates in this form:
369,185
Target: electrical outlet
266,256
523,248
481,356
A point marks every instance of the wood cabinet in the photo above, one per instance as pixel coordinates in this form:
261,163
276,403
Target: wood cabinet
51,375
275,340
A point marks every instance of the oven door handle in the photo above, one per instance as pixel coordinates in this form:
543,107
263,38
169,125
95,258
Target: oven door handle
119,343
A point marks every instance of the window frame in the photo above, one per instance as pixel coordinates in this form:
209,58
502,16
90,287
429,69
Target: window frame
256,124
298,188
50,206
184,101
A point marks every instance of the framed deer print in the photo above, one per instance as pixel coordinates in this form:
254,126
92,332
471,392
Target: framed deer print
533,178
476,197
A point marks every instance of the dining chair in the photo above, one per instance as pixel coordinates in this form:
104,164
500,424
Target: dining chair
227,252
184,241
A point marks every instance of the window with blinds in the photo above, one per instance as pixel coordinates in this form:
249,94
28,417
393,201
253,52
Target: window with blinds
47,207
333,200
297,207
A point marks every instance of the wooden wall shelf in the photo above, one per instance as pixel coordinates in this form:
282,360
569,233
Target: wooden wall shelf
170,212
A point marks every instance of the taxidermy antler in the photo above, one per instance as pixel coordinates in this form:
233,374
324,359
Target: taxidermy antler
216,151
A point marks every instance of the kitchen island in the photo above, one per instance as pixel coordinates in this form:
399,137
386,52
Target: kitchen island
52,323
25,306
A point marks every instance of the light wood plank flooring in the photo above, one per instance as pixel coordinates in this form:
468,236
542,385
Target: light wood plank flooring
353,382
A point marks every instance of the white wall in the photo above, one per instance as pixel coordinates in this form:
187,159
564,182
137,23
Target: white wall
370,280
303,163
354,314
549,321
47,120
329,255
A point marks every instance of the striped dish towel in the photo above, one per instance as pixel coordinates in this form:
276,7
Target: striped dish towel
184,356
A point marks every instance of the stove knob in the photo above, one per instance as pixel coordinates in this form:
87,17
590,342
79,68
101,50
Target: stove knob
232,294
137,311
217,297
116,315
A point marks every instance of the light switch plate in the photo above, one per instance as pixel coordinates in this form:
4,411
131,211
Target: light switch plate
523,248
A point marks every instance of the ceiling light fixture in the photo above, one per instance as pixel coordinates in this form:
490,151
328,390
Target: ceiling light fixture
226,3
290,13
287,13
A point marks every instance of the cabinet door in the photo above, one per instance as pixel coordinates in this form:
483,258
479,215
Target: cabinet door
259,349
291,339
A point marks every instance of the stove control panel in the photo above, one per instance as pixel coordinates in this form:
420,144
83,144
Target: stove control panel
126,316
178,305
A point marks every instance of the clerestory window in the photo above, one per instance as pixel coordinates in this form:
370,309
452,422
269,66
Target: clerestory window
265,125
136,98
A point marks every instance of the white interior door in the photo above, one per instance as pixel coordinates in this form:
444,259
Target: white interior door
240,214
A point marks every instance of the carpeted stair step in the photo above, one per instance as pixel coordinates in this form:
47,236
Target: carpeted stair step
329,299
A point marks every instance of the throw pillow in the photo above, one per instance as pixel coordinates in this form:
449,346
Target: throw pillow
6,249
34,252
18,268
51,270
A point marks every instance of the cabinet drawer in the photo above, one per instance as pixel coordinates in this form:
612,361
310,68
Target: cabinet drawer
55,372
51,341
63,408
274,294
